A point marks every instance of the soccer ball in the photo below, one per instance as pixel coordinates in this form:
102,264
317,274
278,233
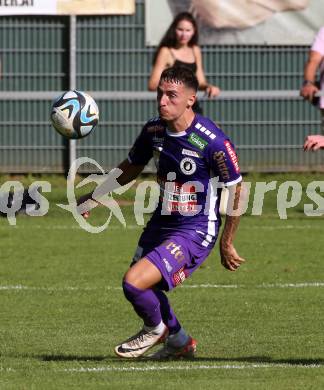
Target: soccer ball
74,114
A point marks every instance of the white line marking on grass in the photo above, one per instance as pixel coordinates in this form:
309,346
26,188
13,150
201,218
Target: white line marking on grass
191,367
292,285
286,227
211,286
6,369
20,287
17,287
58,289
264,285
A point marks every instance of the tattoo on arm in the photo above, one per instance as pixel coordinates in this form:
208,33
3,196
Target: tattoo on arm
232,221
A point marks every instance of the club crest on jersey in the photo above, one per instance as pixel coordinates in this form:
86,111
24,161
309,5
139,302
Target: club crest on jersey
188,166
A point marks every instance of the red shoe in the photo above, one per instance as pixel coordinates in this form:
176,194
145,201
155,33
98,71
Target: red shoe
169,352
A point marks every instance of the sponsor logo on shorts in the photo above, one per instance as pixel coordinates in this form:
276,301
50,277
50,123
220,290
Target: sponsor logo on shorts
191,153
232,155
179,277
188,166
175,251
220,159
167,265
197,141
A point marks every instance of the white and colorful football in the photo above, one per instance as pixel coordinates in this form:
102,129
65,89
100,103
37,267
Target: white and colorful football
74,114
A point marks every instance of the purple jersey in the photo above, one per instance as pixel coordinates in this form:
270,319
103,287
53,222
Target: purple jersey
186,162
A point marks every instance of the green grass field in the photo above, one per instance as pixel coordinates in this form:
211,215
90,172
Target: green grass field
62,308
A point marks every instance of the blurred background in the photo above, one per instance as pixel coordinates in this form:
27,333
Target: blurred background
107,56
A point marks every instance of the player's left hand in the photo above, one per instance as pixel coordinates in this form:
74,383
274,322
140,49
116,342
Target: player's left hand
229,257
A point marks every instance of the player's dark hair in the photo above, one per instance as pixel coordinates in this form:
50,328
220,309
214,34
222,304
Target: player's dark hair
170,38
180,74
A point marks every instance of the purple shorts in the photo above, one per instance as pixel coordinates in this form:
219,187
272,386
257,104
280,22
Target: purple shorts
176,254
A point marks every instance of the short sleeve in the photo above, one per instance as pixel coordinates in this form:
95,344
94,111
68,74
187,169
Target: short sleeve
318,44
223,161
141,151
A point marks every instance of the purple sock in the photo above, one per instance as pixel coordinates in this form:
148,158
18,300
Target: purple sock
168,315
145,304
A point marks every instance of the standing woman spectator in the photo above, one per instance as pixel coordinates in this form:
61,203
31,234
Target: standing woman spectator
179,47
309,88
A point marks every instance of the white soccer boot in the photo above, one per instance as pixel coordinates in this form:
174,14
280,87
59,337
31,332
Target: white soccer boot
141,342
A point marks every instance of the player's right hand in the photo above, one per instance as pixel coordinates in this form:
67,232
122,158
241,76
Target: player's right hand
86,214
80,201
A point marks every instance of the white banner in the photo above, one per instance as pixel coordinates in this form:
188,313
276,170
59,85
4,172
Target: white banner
66,7
255,22
28,7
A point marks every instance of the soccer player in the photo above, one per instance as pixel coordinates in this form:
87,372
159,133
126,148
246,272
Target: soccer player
193,156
